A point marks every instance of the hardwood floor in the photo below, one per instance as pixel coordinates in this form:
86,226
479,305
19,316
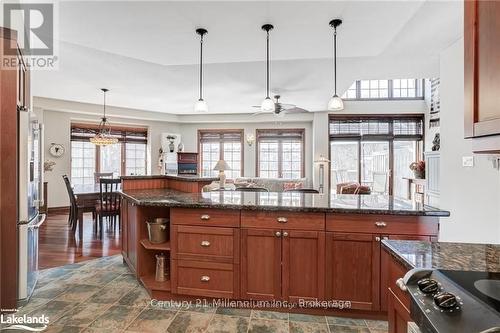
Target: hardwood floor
59,247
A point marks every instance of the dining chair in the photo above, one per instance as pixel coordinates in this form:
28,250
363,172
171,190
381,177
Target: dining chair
100,175
73,210
252,189
110,202
302,190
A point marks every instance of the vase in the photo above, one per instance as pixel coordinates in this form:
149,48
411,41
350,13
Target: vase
419,174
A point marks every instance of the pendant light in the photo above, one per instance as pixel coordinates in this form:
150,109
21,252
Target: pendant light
103,136
336,103
267,104
201,105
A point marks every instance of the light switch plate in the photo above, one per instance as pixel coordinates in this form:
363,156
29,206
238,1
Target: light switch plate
467,161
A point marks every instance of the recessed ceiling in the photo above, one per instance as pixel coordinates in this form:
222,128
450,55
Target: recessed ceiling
146,53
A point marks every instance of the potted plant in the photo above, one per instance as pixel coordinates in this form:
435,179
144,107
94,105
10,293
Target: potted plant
418,169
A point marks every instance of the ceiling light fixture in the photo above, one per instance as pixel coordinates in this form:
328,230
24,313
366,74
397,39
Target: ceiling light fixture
335,103
201,105
267,104
103,136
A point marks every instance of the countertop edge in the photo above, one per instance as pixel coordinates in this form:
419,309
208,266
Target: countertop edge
394,253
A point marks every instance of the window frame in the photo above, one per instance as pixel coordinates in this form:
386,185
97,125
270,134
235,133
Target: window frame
390,92
221,142
390,138
124,134
280,131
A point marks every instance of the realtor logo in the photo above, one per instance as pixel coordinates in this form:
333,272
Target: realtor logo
35,24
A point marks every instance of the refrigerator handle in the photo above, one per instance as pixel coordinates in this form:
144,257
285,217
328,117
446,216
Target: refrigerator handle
42,162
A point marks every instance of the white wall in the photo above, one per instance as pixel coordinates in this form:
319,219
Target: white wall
57,130
471,194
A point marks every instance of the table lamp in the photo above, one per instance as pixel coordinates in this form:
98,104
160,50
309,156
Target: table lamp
221,166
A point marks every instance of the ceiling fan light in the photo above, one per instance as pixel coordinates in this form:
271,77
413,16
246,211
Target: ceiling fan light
201,106
267,105
335,104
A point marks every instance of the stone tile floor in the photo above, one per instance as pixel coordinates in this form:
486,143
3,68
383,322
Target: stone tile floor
102,295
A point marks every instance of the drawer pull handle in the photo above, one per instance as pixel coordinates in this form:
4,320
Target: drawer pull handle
278,234
380,224
205,243
205,278
282,219
401,284
285,234
377,239
205,217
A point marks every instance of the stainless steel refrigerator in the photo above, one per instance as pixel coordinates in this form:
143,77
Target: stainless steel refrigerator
30,192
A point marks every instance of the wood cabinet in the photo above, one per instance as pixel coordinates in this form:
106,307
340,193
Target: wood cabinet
397,314
261,264
353,269
282,264
482,74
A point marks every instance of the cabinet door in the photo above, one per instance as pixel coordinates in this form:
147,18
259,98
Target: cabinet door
353,269
397,314
260,264
124,226
482,68
303,267
385,259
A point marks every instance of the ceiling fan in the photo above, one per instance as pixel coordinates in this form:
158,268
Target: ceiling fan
281,109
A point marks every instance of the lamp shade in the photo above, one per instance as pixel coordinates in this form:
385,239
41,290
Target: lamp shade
322,159
335,104
201,106
222,165
267,105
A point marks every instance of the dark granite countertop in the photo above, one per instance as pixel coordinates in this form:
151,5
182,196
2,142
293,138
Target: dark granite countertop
186,178
303,202
444,255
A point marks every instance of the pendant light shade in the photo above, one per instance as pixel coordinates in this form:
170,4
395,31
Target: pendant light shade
267,104
201,105
103,136
336,103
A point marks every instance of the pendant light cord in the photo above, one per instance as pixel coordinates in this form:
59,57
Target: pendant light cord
267,67
335,60
201,67
104,106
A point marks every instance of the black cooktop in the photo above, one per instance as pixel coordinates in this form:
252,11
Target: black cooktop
484,286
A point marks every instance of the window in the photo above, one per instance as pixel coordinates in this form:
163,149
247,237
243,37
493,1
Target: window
280,153
375,151
385,89
127,157
82,162
218,145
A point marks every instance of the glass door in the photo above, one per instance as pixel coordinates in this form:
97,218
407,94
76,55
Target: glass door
111,159
375,166
344,157
405,153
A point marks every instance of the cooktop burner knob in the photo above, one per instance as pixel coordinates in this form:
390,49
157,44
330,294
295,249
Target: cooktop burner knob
445,300
428,286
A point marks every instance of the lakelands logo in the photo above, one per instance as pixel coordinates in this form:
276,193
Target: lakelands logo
24,323
35,24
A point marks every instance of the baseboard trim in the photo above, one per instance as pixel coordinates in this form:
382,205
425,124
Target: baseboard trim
58,210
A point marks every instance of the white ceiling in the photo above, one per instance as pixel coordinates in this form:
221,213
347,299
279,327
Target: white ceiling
147,53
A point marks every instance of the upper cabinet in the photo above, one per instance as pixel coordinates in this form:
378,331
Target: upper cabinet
482,74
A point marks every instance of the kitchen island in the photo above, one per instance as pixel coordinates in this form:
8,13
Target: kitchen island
293,247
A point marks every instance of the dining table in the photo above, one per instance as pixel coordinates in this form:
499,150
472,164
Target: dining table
86,196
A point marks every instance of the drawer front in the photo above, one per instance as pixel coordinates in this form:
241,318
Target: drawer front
283,220
383,224
207,217
206,243
206,279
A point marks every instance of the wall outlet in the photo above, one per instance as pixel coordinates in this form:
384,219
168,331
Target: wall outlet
467,161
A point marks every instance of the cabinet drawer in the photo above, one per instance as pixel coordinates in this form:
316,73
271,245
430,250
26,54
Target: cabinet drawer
205,243
284,220
208,279
208,217
383,224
